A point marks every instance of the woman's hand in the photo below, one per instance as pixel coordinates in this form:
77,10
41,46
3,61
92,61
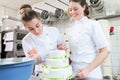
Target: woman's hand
33,51
34,55
62,47
82,73
103,53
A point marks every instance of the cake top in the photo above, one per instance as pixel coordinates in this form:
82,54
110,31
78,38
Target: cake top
57,51
57,54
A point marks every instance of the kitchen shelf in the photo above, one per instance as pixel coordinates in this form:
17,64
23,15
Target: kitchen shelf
107,17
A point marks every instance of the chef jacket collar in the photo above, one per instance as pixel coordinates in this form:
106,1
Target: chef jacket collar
84,19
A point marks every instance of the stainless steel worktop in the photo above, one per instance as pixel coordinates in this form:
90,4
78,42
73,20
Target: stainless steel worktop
37,78
10,61
87,79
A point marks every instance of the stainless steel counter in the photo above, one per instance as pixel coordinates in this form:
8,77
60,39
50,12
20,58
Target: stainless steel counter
37,78
10,61
86,79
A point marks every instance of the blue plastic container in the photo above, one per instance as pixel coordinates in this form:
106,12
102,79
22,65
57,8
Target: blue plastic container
16,68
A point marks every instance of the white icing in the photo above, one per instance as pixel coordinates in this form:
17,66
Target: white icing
57,54
57,62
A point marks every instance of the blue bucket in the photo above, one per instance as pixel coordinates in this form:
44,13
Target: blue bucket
16,68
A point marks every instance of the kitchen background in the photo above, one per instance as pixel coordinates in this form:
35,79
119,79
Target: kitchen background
9,19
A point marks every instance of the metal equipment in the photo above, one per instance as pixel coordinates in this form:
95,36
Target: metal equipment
13,42
59,13
48,16
98,5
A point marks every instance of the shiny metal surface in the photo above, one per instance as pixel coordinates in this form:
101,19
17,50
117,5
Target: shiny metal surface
38,78
85,79
9,61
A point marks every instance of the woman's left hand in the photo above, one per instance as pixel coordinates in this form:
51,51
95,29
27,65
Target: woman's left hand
82,73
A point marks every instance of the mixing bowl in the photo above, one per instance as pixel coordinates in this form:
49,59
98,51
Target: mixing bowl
16,68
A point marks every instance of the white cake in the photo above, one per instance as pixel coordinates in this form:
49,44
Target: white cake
57,66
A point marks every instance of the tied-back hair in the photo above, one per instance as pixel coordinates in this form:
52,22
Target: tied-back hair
26,6
82,3
29,15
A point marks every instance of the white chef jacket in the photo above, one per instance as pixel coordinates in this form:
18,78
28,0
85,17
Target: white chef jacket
85,37
48,40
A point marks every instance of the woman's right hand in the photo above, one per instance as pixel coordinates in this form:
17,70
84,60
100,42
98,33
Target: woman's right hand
34,55
33,51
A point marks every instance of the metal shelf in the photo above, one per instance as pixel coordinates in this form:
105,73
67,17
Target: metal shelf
107,17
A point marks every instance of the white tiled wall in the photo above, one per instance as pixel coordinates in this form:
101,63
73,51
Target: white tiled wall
115,52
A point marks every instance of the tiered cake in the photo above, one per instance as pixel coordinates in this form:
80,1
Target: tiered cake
57,66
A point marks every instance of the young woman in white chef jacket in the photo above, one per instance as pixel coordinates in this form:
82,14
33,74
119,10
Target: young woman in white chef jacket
87,42
39,40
